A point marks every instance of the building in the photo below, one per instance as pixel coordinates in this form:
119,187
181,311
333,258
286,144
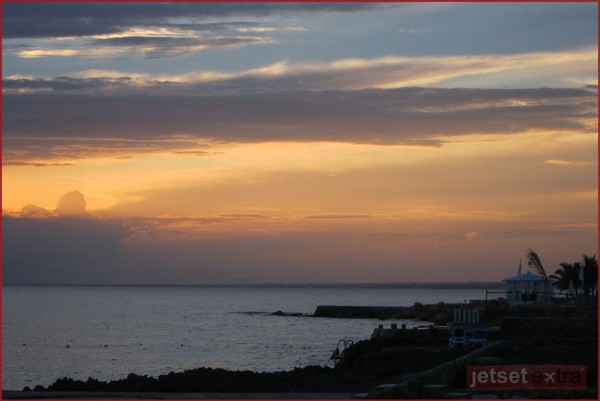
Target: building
528,288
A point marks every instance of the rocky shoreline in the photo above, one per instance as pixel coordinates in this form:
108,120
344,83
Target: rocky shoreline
369,363
400,357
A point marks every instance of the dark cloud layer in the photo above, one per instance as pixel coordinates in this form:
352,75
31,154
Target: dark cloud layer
412,116
52,250
46,20
64,84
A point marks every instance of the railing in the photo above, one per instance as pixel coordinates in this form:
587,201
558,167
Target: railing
468,316
524,298
340,352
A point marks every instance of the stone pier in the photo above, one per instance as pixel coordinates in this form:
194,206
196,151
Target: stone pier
362,312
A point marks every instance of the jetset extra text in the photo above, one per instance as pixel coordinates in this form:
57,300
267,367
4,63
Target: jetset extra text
549,377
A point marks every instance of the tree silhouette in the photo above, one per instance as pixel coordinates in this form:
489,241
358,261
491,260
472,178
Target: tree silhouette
570,272
533,261
564,275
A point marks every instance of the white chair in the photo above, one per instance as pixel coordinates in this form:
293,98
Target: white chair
459,336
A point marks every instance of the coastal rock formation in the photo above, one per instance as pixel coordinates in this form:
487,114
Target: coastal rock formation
206,380
368,364
416,357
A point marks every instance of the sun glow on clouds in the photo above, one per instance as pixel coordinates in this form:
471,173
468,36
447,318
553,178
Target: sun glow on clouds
336,149
148,32
384,72
294,178
246,163
568,162
36,53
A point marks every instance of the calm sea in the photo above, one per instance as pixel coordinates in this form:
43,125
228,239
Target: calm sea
106,332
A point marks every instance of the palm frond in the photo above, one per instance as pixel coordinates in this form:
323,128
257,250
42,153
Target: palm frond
533,261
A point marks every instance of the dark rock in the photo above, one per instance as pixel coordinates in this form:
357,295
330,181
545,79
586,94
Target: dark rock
293,314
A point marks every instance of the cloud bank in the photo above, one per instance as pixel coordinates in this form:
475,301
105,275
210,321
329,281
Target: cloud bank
109,30
46,20
343,74
67,245
63,126
58,249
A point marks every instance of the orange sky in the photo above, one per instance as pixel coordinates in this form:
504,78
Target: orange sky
354,168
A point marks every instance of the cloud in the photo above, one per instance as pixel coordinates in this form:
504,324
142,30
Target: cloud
64,151
414,31
200,153
105,30
33,211
561,162
35,164
344,74
63,84
59,20
67,245
57,249
339,216
71,204
64,127
145,46
473,235
171,46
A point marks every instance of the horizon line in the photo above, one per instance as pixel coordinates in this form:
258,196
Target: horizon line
262,284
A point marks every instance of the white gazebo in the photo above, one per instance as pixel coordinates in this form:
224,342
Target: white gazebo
528,288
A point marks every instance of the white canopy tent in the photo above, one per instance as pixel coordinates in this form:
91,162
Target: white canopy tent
527,288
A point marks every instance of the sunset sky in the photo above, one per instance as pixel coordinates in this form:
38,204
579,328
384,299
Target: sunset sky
190,143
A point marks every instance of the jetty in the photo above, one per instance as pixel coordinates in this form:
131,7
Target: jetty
438,314
362,312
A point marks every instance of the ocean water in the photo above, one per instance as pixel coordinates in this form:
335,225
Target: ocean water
106,332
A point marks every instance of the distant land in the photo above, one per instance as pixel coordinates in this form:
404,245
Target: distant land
424,285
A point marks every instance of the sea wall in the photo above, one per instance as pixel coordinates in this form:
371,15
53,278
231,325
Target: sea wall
439,313
361,312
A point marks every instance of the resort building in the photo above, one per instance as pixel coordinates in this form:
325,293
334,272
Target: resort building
528,288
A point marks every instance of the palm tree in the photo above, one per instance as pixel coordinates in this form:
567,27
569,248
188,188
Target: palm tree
564,275
570,272
533,260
